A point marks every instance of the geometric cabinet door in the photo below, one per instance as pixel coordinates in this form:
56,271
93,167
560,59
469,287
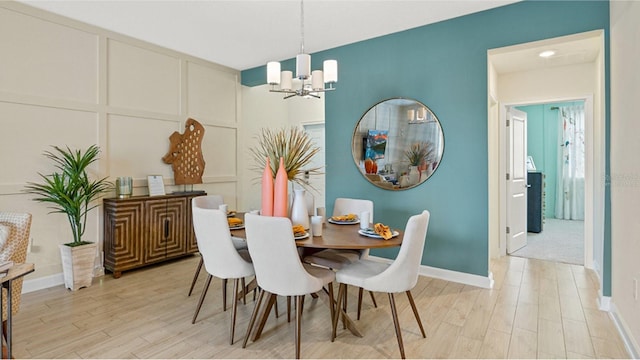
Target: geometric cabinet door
167,230
123,234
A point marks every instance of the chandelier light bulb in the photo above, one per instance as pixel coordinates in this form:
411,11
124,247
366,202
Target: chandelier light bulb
330,68
286,80
273,73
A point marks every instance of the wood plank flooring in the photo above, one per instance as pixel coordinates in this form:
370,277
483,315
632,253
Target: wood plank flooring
537,309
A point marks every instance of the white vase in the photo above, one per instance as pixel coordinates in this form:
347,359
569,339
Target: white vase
299,213
414,175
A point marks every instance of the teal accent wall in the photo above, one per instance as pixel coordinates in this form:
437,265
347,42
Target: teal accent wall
443,65
543,144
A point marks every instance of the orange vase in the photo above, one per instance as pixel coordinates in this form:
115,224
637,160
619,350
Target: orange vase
280,195
267,190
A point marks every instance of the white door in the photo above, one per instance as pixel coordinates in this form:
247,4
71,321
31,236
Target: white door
516,179
316,182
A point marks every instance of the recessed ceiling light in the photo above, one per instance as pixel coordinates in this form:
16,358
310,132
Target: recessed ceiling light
547,53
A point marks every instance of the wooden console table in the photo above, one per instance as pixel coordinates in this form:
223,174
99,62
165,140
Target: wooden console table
143,230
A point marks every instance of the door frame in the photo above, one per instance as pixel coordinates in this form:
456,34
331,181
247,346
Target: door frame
594,183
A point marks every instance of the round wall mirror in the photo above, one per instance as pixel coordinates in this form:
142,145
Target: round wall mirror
398,144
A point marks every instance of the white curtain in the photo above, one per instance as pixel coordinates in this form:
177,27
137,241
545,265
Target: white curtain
570,182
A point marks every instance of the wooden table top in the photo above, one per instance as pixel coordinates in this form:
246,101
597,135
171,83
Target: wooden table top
16,271
338,237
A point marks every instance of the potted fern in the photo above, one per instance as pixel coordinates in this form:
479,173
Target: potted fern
70,191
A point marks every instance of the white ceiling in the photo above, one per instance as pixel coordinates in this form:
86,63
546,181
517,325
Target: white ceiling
243,34
569,50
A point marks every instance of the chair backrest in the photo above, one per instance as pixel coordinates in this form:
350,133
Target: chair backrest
221,259
15,249
208,201
402,274
275,257
343,206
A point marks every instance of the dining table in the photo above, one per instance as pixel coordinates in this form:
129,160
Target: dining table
344,235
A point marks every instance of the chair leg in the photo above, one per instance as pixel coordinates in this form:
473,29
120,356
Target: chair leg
396,323
252,320
360,290
336,314
195,276
244,292
265,316
331,305
204,293
373,299
224,294
234,309
299,302
415,312
344,305
288,308
302,303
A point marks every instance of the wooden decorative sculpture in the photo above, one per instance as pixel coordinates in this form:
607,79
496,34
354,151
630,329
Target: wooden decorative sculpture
185,154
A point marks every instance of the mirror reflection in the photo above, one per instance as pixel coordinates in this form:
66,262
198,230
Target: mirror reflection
398,144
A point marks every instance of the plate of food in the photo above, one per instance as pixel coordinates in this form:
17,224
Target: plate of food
299,232
348,219
235,223
373,234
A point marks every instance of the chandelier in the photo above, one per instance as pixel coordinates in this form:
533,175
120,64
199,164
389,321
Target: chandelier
311,83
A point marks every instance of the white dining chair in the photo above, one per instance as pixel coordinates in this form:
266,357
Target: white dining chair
399,276
279,270
338,258
214,202
220,256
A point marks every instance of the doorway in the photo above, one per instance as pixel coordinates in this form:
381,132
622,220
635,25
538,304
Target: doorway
555,209
516,76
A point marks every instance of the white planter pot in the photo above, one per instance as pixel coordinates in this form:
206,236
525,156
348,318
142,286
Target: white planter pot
77,265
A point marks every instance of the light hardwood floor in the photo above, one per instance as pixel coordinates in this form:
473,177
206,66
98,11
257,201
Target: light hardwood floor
537,309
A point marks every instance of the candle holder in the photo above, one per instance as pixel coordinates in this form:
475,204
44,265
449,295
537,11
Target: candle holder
124,187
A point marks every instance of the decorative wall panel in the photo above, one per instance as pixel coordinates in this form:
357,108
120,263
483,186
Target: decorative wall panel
211,94
142,79
216,148
129,135
29,130
46,59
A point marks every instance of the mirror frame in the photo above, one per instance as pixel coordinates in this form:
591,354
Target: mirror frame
387,178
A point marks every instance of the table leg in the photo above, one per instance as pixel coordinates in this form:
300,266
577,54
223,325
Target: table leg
253,284
346,320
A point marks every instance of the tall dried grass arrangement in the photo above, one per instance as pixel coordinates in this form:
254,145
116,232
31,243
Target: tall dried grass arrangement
293,145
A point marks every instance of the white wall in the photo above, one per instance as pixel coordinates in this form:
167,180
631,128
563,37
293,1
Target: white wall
625,166
262,109
67,83
544,84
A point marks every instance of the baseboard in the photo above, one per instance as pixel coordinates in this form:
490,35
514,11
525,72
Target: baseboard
629,342
604,302
42,283
449,275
